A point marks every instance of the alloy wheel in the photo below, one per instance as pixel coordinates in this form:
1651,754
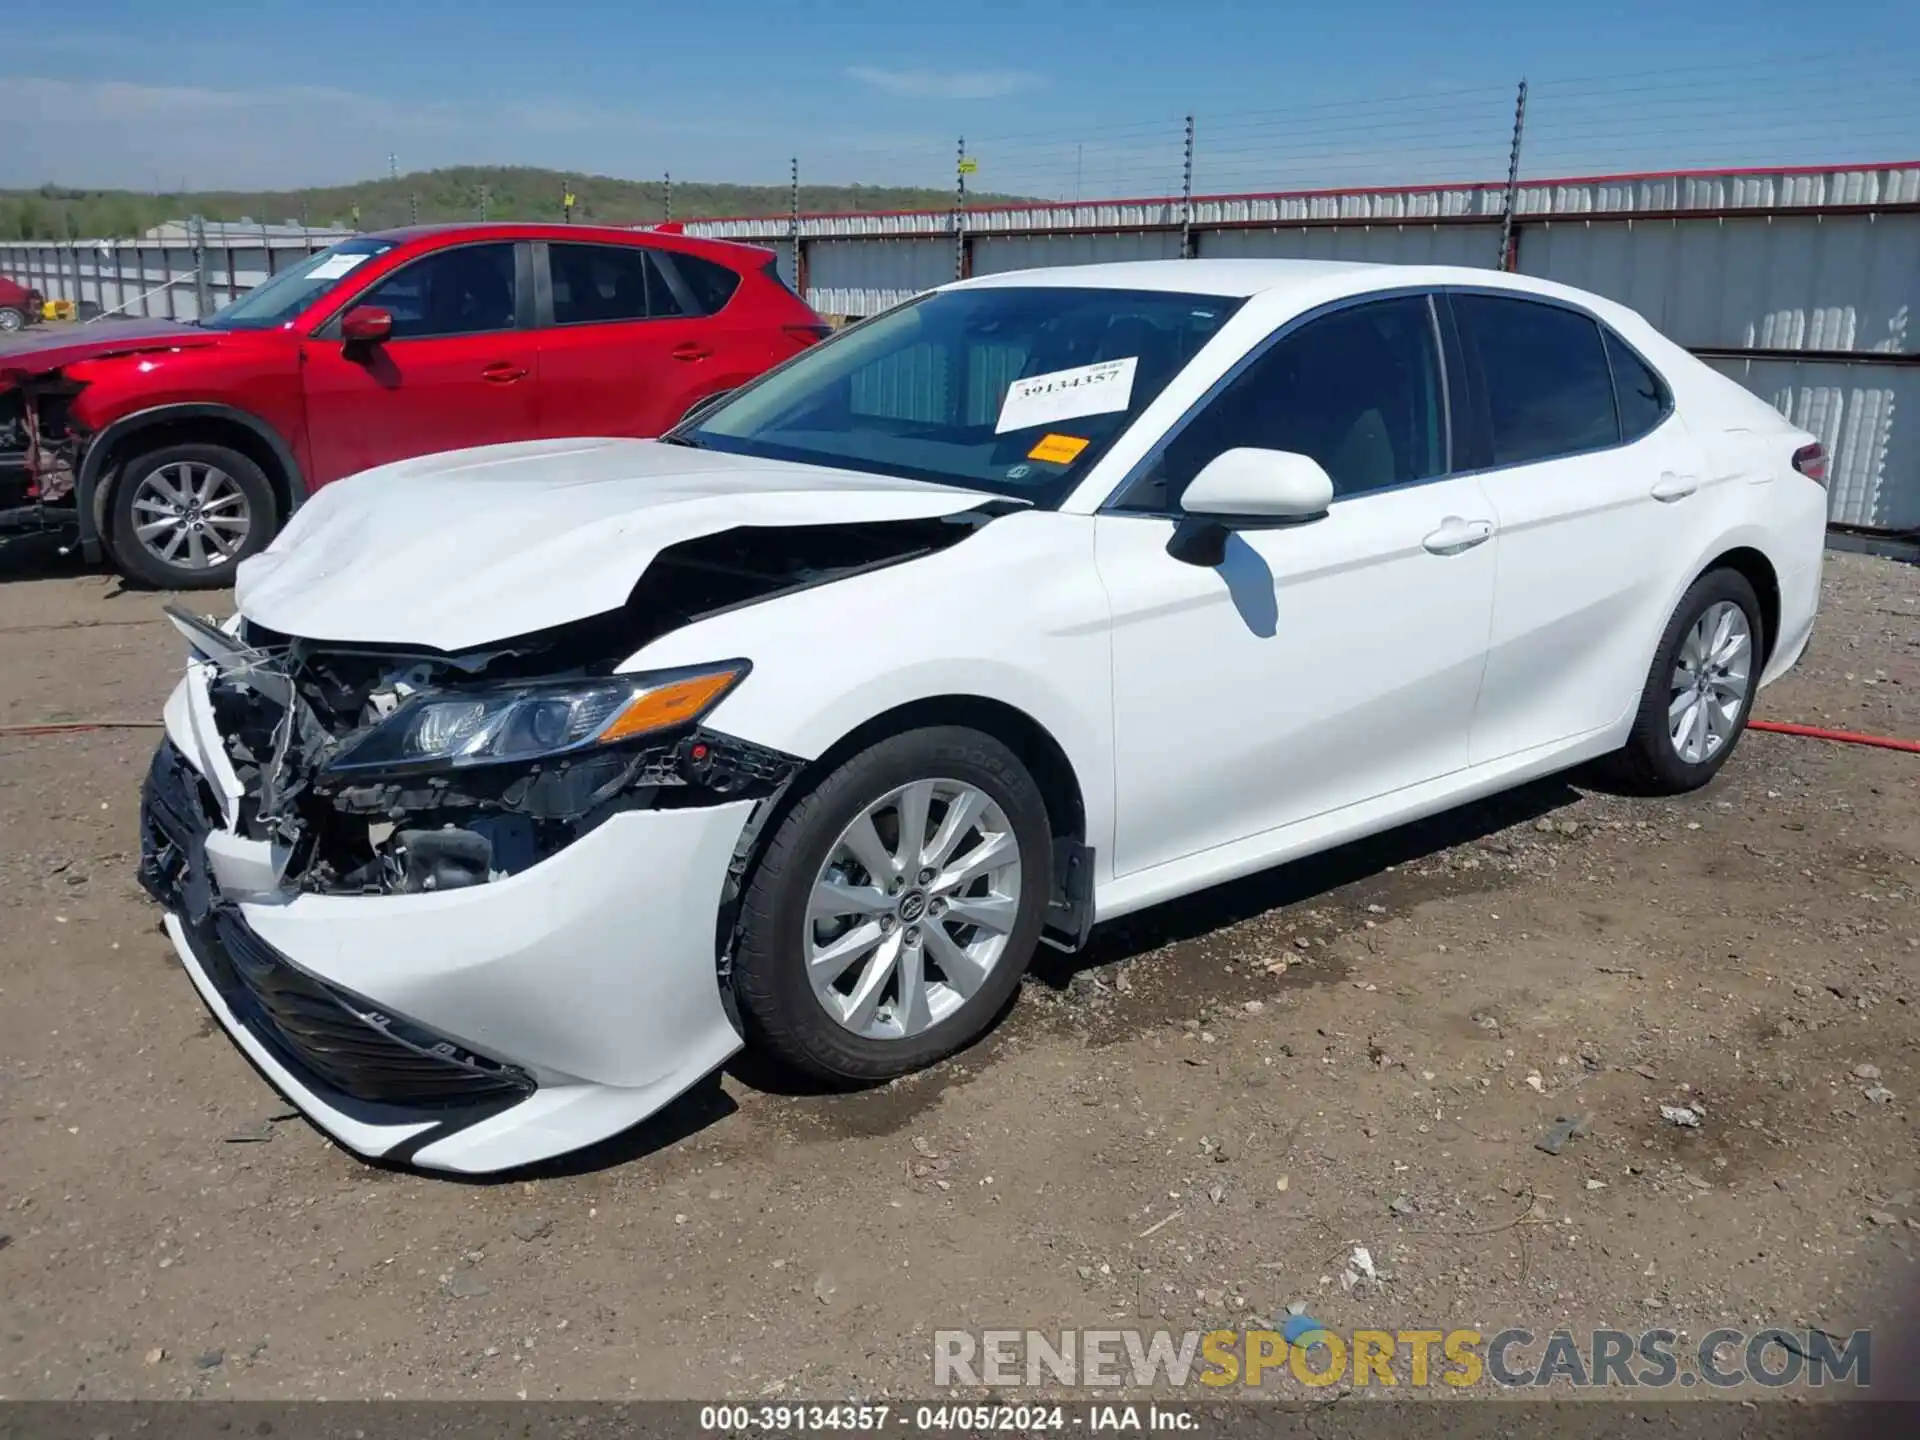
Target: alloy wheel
912,909
1711,677
191,515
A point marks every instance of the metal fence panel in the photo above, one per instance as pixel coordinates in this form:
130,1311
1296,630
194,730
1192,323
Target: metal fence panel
1868,417
113,274
1789,283
864,277
1382,244
995,254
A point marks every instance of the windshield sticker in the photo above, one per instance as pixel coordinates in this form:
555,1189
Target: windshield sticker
334,266
1098,389
1058,449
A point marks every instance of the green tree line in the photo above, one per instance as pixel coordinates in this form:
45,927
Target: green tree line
55,212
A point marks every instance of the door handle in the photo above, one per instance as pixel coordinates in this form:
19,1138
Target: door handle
691,350
1456,535
503,372
1671,487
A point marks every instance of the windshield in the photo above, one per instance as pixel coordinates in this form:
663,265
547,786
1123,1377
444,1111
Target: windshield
291,291
1014,390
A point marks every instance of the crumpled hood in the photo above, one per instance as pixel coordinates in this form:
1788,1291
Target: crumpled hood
458,550
36,351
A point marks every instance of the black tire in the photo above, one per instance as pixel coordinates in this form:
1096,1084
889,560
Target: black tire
136,562
781,1013
1649,764
12,320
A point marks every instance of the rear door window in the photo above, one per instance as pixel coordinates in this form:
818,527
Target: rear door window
1544,378
593,284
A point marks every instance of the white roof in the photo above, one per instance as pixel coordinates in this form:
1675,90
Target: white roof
1260,277
1187,277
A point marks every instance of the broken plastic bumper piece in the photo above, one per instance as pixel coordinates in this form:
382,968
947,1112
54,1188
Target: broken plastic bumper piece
361,1058
473,1030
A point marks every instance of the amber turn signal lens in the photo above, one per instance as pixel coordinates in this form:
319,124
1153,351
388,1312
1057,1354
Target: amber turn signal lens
674,703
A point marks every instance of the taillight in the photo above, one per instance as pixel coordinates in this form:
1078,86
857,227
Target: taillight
1811,461
808,334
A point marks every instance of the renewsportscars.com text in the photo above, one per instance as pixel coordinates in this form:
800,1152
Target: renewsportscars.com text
1459,1359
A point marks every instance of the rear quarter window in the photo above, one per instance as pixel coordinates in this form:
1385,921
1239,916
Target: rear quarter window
711,285
1642,396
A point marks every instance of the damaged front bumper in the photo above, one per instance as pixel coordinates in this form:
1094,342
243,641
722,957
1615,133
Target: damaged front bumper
40,451
472,1029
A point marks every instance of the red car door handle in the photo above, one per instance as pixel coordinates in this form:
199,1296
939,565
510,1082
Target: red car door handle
503,372
691,350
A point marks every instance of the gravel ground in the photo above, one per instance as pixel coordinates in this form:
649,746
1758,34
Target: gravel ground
1190,1125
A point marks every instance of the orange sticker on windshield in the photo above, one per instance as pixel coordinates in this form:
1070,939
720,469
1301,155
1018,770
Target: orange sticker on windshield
1057,449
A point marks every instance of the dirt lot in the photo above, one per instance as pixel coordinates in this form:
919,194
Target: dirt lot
1197,1121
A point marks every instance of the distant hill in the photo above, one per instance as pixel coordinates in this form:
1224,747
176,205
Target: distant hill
512,193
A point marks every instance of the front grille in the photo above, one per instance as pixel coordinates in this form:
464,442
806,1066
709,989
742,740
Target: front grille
349,1045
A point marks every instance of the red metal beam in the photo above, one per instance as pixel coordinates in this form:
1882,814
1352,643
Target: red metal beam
1489,185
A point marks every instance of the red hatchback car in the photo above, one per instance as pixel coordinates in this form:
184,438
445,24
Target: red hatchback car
180,449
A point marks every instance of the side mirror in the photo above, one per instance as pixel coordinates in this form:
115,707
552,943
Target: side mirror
1247,488
366,325
1260,485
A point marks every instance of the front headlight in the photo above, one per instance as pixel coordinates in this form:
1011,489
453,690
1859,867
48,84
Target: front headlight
535,719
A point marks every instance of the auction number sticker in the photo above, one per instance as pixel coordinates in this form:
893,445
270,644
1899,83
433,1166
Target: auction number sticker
334,266
1098,389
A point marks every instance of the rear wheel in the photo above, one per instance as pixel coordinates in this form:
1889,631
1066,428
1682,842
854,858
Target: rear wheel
185,515
895,907
11,319
1700,691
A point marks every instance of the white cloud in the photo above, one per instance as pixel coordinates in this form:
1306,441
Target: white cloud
943,84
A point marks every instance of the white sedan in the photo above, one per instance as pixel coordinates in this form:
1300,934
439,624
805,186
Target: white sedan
530,783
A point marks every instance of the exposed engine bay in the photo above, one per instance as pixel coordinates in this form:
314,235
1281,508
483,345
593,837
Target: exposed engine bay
297,719
37,453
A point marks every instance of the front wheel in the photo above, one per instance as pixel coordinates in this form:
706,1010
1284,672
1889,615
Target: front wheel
1700,691
11,319
184,516
895,907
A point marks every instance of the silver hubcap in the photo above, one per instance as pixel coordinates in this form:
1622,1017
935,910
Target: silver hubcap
9,320
913,909
1710,682
191,515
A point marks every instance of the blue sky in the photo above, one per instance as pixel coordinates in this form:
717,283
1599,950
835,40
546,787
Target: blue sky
1056,99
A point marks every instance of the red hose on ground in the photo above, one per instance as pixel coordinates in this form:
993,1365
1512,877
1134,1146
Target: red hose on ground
1844,737
74,726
